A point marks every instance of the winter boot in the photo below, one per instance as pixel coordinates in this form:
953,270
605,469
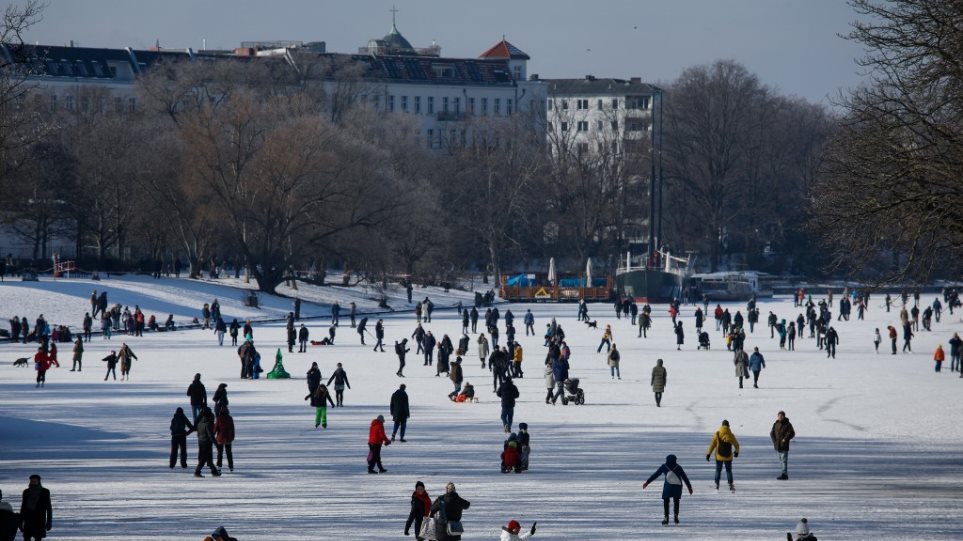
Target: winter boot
665,521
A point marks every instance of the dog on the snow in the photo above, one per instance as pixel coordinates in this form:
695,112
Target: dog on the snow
21,362
592,324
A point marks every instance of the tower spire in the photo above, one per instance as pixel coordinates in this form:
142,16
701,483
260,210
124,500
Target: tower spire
394,12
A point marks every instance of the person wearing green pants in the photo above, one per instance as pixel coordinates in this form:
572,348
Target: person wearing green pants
319,401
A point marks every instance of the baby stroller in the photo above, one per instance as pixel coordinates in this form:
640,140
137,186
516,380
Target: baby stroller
573,392
704,341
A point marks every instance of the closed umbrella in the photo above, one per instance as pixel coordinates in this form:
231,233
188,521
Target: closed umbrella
552,278
588,272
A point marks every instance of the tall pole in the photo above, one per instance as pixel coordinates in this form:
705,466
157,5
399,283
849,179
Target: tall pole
661,181
652,188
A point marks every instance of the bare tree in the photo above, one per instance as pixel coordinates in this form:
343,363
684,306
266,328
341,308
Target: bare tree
893,186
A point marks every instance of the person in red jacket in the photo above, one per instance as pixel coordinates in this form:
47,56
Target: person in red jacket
892,337
41,363
376,438
224,437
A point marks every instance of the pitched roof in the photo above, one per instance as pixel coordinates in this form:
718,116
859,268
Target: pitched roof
597,87
503,49
423,69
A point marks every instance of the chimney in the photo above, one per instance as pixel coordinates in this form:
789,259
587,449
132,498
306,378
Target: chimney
71,43
589,77
635,80
244,51
533,77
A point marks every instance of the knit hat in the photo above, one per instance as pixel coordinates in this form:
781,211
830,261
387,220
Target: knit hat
725,422
513,526
449,488
523,426
419,484
381,418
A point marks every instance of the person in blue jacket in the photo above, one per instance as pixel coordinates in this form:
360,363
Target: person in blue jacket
756,363
672,487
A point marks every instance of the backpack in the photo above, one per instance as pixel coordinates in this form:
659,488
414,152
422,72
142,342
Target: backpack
725,448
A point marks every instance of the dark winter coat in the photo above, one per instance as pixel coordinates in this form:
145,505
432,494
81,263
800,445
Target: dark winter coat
205,429
560,370
37,520
674,478
454,506
314,379
340,378
508,393
198,393
659,376
181,425
303,334
399,406
321,397
456,375
782,432
420,508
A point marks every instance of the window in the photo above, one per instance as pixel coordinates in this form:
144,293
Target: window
582,126
600,104
581,105
444,104
615,125
404,104
484,110
517,70
600,147
464,138
615,103
551,127
391,103
471,105
498,106
508,106
565,104
582,148
564,126
131,104
53,102
549,105
417,105
431,105
431,138
636,125
456,105
600,125
69,103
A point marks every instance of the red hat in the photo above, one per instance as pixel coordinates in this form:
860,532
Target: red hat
514,526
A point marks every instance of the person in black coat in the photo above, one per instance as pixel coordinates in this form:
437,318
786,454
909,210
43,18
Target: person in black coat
400,351
181,427
205,443
508,393
303,339
314,379
10,521
672,488
292,339
380,335
399,411
340,379
420,508
362,328
36,513
448,508
198,394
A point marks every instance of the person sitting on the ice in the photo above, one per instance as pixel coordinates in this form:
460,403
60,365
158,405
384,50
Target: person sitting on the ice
704,340
169,324
511,456
467,394
220,534
511,532
802,532
523,442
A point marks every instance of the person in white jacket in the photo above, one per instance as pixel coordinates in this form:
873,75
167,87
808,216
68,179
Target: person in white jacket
802,532
511,532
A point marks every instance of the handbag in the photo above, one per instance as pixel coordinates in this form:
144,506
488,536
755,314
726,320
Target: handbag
452,527
428,529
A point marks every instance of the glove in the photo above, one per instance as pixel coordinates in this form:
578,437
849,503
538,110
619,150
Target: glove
387,443
707,458
532,531
736,454
645,484
690,491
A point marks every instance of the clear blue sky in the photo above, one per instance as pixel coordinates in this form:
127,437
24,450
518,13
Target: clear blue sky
792,45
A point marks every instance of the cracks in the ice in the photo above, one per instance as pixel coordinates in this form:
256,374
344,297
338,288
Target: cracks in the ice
829,404
700,425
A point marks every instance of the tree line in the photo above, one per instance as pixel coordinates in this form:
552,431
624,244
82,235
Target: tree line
280,170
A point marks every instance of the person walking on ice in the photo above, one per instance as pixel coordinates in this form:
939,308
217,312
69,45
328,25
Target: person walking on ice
781,434
659,375
672,487
726,446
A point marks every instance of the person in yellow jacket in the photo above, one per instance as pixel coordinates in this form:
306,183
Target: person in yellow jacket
726,446
517,362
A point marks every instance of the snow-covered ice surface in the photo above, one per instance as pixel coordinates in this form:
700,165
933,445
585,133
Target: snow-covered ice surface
877,452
